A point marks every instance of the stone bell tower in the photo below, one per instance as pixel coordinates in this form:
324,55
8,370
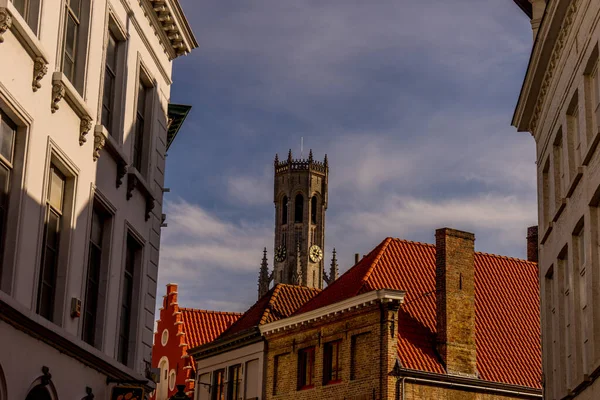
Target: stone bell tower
300,198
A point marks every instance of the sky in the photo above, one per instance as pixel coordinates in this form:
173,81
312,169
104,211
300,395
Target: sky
411,101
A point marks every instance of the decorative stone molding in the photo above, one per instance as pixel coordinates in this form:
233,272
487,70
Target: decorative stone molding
135,181
40,68
58,92
170,25
84,128
554,58
100,136
5,22
114,149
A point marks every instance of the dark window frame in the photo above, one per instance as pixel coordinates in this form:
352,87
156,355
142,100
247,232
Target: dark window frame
233,385
332,363
306,368
7,164
218,385
109,101
30,11
48,276
133,254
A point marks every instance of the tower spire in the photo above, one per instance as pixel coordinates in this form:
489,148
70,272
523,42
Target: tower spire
276,159
290,156
333,270
264,278
325,161
310,156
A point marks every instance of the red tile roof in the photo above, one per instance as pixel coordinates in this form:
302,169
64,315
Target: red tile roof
279,302
507,315
202,326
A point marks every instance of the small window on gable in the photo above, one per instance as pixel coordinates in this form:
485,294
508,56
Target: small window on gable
299,208
313,209
284,210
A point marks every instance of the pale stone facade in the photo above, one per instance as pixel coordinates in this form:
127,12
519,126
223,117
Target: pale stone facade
84,100
559,105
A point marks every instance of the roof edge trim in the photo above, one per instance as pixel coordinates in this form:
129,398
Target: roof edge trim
382,295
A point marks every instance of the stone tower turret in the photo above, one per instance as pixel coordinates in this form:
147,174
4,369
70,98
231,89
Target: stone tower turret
300,197
264,278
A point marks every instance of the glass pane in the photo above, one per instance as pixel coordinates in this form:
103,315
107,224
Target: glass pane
96,231
33,15
7,137
75,6
106,119
20,5
49,268
141,106
70,39
111,52
4,182
68,68
52,229
57,187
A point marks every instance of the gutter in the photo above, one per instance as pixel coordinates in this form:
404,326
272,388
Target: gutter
460,382
243,338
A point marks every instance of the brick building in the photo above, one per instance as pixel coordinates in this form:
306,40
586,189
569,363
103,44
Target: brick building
232,366
414,321
178,330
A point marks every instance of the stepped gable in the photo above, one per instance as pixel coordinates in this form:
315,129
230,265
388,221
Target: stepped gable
279,302
507,310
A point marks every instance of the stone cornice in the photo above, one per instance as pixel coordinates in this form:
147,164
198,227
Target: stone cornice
353,303
546,52
170,25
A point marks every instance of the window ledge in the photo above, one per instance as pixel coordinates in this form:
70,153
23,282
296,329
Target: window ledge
11,19
547,232
574,182
62,88
559,209
116,151
135,180
591,148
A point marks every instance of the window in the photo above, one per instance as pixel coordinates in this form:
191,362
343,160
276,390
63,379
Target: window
332,364
559,172
96,254
306,368
546,193
233,382
549,338
313,209
30,11
276,376
162,390
132,256
284,210
8,132
218,392
298,208
139,140
110,78
75,40
54,211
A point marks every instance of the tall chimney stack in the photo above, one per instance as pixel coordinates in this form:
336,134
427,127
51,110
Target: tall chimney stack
455,297
356,258
532,244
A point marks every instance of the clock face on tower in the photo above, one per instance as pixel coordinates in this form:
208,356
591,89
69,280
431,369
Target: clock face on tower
280,253
316,254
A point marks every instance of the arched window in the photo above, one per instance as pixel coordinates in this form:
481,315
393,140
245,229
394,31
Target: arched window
298,208
313,209
39,393
284,210
162,388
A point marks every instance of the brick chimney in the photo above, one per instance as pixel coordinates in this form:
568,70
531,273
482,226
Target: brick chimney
455,299
532,244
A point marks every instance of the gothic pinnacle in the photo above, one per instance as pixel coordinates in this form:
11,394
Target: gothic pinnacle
290,156
310,156
325,162
276,159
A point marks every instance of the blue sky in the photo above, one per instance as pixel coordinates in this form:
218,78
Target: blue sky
411,101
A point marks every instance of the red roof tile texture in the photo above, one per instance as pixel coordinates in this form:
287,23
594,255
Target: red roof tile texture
279,302
202,326
507,315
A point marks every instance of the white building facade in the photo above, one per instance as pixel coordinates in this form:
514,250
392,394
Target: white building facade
85,122
559,105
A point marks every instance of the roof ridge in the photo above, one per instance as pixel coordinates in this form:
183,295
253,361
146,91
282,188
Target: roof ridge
505,257
384,245
413,242
200,310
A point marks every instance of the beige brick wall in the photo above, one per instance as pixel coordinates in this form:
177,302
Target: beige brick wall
360,329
